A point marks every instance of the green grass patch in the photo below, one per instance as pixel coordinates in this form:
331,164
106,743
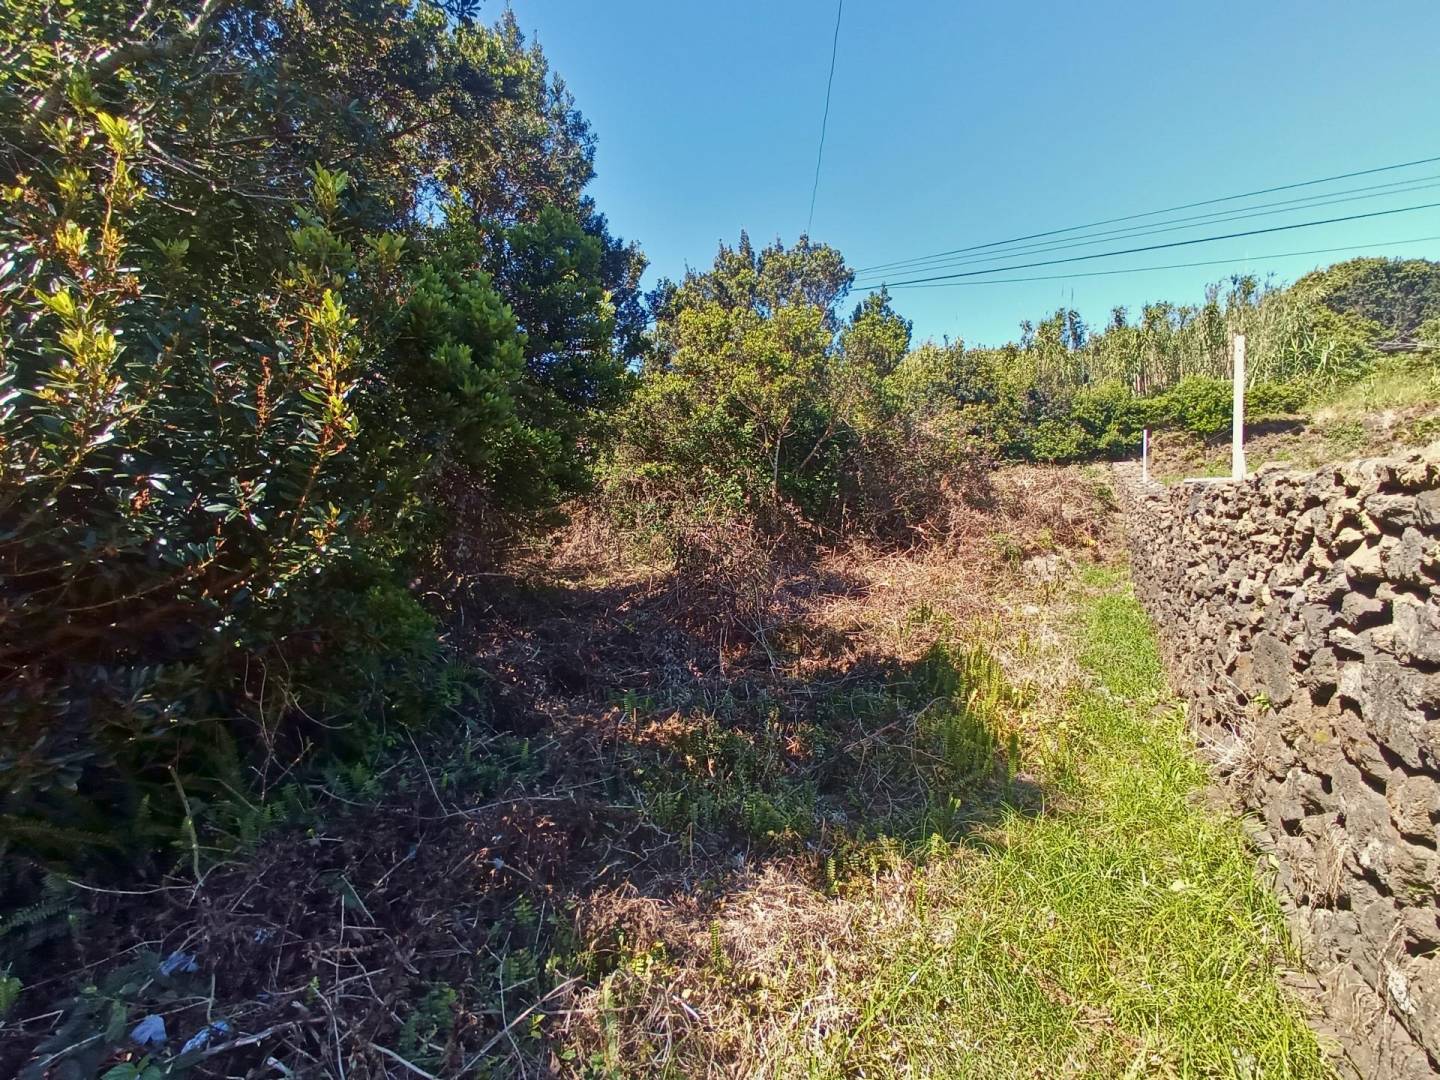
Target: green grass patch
1121,933
923,752
1394,382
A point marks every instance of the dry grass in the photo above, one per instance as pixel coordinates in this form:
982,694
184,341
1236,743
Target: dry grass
762,813
694,954
1119,930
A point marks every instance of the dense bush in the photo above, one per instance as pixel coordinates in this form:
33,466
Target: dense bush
1198,405
1003,404
246,393
1068,392
1105,421
1395,295
175,476
761,402
1274,399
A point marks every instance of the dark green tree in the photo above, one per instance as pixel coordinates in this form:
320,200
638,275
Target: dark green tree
281,287
876,337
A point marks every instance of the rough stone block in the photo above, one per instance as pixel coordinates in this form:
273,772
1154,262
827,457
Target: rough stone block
1366,561
1417,629
1324,669
1416,995
1427,508
1415,806
1319,591
1388,696
1394,511
1272,669
1361,610
1406,559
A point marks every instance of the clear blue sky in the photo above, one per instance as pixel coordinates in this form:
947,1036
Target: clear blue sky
956,123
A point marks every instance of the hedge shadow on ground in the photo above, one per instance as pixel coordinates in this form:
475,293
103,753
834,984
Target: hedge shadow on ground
634,737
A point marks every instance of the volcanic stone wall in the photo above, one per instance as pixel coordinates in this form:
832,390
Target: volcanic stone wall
1298,614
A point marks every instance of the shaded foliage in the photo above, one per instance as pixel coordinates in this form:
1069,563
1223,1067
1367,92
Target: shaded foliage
1397,295
763,402
281,288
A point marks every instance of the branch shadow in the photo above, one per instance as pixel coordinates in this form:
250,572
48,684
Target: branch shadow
637,761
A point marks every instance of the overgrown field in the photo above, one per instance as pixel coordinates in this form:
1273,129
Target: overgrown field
423,651
1094,919
871,814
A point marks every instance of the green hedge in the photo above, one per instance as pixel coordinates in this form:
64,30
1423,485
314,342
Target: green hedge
1105,421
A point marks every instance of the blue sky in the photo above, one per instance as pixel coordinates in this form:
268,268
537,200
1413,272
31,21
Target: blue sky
961,123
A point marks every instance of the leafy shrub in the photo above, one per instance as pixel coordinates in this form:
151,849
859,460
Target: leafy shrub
763,404
245,399
1274,399
1396,295
1059,441
1198,405
182,503
1105,409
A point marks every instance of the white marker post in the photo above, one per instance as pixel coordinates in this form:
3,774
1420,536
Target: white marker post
1237,423
1145,455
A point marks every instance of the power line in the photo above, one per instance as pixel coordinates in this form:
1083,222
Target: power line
1150,213
1170,266
1215,218
1171,244
1154,213
1305,202
1227,217
825,119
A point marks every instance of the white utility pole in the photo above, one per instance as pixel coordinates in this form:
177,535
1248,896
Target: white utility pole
1237,423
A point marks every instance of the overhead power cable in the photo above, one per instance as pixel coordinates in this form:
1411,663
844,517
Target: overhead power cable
1171,266
825,118
1137,232
1156,213
1170,244
1283,206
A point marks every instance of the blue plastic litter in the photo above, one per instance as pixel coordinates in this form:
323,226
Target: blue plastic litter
201,1038
182,962
149,1030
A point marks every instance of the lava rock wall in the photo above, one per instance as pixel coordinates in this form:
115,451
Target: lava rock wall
1299,616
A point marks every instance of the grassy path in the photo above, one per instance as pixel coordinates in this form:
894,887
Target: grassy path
1121,933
